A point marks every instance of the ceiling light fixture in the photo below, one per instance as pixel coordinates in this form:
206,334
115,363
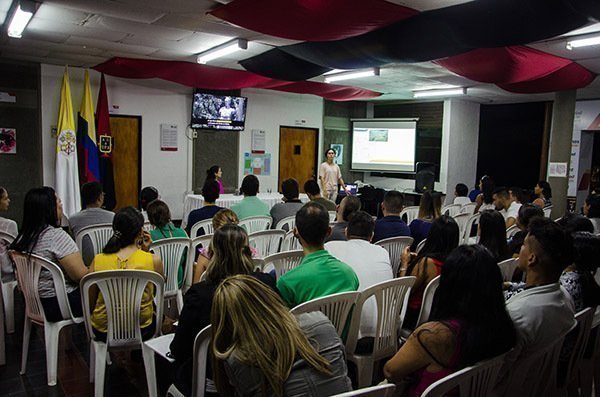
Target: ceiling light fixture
442,93
352,75
223,50
583,42
22,14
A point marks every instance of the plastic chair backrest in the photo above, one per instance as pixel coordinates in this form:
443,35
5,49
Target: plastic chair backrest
148,226
287,223
28,269
410,212
451,209
466,231
201,345
394,246
332,216
461,219
507,268
206,226
335,306
428,295
511,231
290,242
195,242
284,261
391,297
171,250
9,238
547,211
582,335
98,236
373,391
266,242
420,245
122,292
474,381
256,223
468,208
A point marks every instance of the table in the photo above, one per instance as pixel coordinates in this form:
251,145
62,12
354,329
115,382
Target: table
193,201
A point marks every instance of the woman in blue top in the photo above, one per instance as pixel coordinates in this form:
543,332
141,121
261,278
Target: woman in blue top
430,208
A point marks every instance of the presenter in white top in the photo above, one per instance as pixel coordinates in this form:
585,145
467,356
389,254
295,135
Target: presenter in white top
329,177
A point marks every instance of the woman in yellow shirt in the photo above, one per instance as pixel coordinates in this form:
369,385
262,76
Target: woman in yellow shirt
127,249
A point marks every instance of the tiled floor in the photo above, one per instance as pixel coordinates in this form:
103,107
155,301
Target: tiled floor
73,369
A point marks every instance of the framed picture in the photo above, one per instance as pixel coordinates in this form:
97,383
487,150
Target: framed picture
8,141
339,153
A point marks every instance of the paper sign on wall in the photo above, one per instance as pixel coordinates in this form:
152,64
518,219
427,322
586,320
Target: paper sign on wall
558,170
258,144
168,137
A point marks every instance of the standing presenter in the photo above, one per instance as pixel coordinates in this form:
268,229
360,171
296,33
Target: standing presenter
329,176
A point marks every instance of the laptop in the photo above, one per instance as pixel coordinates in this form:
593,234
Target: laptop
352,188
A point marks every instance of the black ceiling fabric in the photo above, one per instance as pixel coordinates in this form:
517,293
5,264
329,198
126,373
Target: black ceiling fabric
431,35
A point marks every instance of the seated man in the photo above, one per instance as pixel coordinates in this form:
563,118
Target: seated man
210,192
250,204
291,203
348,206
461,192
319,273
370,262
313,191
391,225
506,205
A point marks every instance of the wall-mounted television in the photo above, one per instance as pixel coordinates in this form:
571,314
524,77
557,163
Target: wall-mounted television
220,112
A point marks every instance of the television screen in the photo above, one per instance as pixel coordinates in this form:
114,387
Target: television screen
221,112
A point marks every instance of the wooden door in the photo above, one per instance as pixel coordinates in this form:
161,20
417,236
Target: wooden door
297,154
126,132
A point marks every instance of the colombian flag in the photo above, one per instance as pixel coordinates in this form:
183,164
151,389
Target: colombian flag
89,170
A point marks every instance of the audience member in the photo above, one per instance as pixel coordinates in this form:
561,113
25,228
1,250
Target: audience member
427,264
461,192
430,208
485,199
261,349
507,207
311,187
41,235
391,225
319,273
468,323
348,206
578,278
492,234
230,256
250,204
517,195
8,226
527,212
291,202
591,209
215,173
127,249
147,195
210,193
573,222
543,191
370,262
330,176
474,192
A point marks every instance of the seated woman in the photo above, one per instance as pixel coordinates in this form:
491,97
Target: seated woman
261,349
429,209
485,200
543,191
127,249
469,323
492,234
230,256
147,195
427,265
578,278
8,226
41,235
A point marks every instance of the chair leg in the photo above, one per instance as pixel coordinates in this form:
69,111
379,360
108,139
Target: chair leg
150,370
179,301
51,334
25,351
585,377
100,352
364,373
9,306
92,362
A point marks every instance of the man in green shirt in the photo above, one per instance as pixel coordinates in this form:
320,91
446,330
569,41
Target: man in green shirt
319,274
250,204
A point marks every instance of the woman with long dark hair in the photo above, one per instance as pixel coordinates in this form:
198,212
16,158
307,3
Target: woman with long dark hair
430,208
543,191
41,235
485,199
215,173
492,234
578,278
468,323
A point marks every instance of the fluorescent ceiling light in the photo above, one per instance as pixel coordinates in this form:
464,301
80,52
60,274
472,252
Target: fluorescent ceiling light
223,50
583,42
352,75
18,22
443,93
334,71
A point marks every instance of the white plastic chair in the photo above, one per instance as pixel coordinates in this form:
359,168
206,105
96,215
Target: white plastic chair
507,268
290,242
386,390
206,226
201,345
411,213
200,241
332,216
256,223
452,209
28,272
8,290
148,226
171,251
394,246
466,231
420,245
547,211
468,208
426,306
121,289
587,367
283,262
511,231
474,381
98,235
287,223
462,219
266,242
335,306
391,297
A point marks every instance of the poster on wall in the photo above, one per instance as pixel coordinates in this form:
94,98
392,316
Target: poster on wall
257,164
168,137
259,140
339,153
8,141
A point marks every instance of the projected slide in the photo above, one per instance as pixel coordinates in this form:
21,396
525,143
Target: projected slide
383,149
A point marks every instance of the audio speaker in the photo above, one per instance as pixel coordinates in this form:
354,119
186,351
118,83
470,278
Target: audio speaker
424,177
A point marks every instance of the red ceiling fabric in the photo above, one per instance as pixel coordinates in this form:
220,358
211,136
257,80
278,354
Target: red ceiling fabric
215,78
570,77
312,20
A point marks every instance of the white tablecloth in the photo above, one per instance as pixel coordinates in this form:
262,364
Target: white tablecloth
193,201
